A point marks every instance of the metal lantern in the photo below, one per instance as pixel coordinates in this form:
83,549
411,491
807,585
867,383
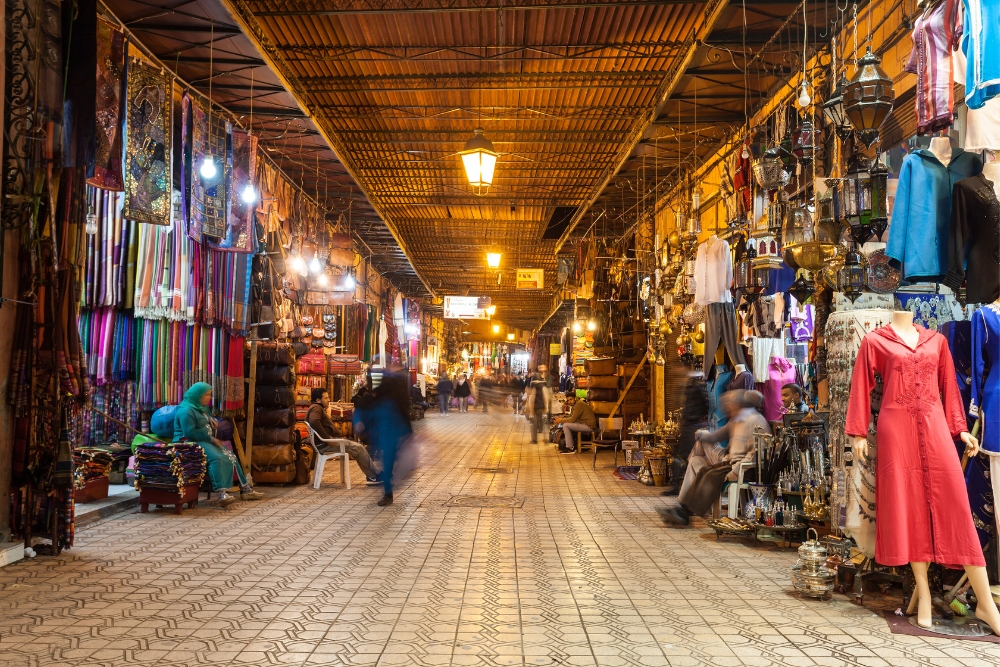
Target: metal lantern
798,224
747,279
833,111
480,160
769,170
852,278
869,97
802,142
828,222
879,184
802,288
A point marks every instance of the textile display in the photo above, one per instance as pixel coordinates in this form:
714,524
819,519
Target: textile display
974,242
935,33
107,172
918,470
147,149
240,216
931,310
169,466
108,267
985,398
208,198
109,344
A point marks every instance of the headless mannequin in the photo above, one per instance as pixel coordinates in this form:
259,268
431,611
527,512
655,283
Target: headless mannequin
941,147
991,170
986,611
739,368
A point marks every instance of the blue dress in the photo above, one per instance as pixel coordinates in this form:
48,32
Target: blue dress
986,374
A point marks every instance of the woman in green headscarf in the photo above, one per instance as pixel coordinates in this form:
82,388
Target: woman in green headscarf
193,422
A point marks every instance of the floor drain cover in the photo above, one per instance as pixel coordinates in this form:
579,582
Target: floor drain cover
493,471
484,501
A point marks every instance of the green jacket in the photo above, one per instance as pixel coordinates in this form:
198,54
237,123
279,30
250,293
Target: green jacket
583,414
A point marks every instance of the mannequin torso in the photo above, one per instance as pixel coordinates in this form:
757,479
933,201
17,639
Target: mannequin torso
941,147
991,170
902,324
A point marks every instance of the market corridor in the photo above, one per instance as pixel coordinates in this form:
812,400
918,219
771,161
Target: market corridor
580,571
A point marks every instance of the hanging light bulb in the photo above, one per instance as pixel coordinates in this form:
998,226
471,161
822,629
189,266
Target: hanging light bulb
804,99
746,152
349,281
91,227
314,265
696,199
208,169
576,327
249,195
591,325
322,281
299,265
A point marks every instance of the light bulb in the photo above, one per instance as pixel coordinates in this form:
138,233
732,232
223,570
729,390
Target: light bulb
249,195
591,325
322,280
746,152
804,99
91,227
349,281
314,265
576,326
299,265
696,199
208,168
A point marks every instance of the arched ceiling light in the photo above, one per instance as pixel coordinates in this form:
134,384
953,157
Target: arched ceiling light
493,260
510,336
496,328
480,160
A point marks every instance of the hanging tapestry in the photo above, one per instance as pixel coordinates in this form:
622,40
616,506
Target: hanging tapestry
239,217
147,152
107,173
208,196
187,109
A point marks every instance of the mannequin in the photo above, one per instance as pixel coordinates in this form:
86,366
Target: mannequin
740,368
991,170
941,147
986,611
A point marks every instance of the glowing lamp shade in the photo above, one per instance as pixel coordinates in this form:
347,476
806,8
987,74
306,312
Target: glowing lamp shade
349,281
491,311
315,266
496,328
591,325
510,336
576,327
480,160
493,260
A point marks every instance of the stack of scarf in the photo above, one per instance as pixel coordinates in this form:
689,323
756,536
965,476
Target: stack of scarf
109,344
90,464
169,466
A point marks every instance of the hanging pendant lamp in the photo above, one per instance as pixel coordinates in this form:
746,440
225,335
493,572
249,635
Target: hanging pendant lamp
480,160
869,98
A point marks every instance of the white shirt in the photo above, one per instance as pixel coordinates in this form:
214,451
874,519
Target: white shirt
713,272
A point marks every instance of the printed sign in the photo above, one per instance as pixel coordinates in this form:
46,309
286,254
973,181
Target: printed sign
530,279
465,308
555,349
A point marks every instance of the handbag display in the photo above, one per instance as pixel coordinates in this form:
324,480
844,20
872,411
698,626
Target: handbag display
276,376
602,394
274,397
605,366
274,354
271,455
273,436
275,475
600,382
274,418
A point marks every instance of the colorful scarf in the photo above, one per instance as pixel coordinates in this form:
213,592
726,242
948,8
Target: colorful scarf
107,172
239,235
147,152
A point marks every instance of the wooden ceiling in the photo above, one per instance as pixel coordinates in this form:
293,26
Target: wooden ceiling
563,89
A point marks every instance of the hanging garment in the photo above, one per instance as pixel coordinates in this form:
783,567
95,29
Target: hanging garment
148,149
713,272
742,380
716,388
780,371
921,216
982,126
921,517
800,316
720,326
974,243
107,172
981,36
986,374
935,33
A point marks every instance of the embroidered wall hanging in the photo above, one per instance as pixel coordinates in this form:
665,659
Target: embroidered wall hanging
147,151
239,217
108,136
208,196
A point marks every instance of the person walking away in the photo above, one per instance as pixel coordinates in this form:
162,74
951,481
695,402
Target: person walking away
193,422
743,410
445,389
388,422
319,419
485,393
463,390
538,402
581,419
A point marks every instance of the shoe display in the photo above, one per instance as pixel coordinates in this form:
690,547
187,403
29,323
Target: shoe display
386,500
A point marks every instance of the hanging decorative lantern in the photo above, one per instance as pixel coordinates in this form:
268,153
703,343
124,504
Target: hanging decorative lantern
879,198
802,142
852,278
828,223
833,111
869,97
802,288
480,160
748,280
769,170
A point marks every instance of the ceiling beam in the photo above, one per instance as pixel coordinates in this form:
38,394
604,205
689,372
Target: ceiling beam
218,28
277,8
713,10
452,83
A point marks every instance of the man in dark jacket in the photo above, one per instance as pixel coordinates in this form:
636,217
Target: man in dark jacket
581,419
444,389
320,422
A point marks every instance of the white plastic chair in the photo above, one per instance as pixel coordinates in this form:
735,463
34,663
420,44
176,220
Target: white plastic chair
734,488
321,459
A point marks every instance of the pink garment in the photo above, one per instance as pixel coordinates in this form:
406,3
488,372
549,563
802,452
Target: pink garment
780,372
935,33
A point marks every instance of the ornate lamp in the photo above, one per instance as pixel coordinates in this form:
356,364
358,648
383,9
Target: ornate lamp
879,183
852,278
802,142
869,97
769,170
828,222
746,279
833,111
802,288
480,160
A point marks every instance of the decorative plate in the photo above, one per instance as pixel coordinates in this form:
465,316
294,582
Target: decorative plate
882,278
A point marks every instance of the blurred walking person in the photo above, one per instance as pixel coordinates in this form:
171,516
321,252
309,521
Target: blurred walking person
539,398
444,389
387,421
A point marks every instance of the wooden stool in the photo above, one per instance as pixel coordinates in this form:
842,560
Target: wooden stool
149,497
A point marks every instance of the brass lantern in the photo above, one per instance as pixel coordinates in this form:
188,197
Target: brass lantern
828,222
879,184
852,278
869,97
802,288
833,111
802,142
747,279
769,170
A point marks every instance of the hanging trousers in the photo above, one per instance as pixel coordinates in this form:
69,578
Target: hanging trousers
720,326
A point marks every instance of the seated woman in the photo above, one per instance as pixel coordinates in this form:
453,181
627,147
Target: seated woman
194,423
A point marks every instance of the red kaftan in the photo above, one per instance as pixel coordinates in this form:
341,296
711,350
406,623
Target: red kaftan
923,509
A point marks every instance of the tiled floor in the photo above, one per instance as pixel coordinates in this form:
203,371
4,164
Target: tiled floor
583,573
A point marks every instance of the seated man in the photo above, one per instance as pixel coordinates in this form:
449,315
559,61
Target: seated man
791,399
323,425
742,409
417,399
581,419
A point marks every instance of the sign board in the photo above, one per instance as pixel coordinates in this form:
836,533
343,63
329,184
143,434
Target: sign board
530,279
465,308
555,349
